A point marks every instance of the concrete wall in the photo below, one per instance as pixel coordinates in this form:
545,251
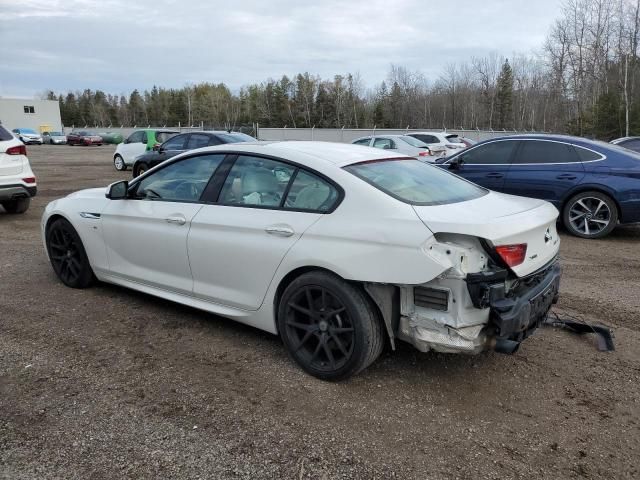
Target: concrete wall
46,114
349,134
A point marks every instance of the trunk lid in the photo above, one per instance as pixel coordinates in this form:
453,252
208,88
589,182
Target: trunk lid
502,220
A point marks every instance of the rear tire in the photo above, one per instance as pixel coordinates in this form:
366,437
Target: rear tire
67,255
590,214
328,326
17,205
118,163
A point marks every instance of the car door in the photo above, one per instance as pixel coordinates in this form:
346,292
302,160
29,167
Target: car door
133,146
486,164
146,235
544,169
263,207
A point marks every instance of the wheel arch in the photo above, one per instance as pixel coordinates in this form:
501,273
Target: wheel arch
375,297
591,188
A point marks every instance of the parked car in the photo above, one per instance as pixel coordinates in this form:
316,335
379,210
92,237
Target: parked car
111,137
28,136
338,249
182,143
446,143
54,138
594,184
17,181
84,137
400,143
632,143
137,143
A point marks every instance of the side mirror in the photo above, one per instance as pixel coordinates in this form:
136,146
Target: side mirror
456,163
118,190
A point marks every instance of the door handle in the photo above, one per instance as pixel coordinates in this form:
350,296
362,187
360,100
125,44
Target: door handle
280,230
566,176
176,219
494,175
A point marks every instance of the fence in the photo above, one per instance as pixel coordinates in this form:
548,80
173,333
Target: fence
126,131
349,134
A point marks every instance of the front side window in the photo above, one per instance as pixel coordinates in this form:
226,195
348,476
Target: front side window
197,140
415,182
384,143
310,192
135,137
494,153
176,143
538,151
182,181
256,181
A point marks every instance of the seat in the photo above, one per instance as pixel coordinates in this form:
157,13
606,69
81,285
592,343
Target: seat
312,197
260,187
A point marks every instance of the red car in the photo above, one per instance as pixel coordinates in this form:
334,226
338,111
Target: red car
83,137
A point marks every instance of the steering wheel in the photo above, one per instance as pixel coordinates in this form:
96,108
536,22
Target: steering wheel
187,190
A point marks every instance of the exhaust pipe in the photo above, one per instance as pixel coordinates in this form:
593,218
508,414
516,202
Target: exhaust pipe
504,345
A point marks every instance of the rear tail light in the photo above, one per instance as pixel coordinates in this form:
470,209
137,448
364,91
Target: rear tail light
17,150
29,180
425,153
513,255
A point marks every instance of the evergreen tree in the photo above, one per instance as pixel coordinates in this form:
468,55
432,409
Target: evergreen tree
504,97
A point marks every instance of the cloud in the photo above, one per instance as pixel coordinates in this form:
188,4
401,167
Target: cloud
118,45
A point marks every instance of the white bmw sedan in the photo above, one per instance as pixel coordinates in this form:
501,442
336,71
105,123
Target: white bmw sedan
337,248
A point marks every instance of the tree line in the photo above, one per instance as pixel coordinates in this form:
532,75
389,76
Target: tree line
584,80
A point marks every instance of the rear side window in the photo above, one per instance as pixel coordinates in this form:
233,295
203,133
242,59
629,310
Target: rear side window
494,153
537,151
384,143
310,192
362,141
586,155
416,183
414,142
4,134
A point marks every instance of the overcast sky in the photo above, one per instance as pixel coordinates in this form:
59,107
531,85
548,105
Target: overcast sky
119,45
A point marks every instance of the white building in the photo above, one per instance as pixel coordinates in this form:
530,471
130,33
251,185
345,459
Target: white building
41,115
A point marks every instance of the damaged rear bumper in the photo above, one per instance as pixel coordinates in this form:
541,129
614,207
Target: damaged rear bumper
480,313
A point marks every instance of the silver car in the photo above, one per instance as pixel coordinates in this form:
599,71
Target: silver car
54,138
402,143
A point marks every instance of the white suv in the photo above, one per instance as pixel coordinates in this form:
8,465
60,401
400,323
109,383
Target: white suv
17,181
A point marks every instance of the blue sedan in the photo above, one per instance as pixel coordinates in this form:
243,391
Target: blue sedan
593,184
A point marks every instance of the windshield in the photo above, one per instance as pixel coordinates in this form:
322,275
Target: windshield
414,142
415,182
56,134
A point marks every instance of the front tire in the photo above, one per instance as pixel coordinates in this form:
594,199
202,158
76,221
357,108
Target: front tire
590,214
67,255
17,205
329,327
118,163
140,169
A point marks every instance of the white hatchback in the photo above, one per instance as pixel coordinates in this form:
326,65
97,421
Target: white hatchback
17,181
338,249
446,143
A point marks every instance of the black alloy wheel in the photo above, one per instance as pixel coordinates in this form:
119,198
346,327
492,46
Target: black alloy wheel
68,257
330,328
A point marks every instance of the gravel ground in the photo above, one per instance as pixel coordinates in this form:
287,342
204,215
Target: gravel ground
108,383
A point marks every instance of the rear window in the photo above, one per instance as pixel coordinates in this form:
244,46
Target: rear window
453,139
415,182
4,134
162,137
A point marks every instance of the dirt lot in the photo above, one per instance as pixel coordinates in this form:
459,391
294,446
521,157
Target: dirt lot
107,383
